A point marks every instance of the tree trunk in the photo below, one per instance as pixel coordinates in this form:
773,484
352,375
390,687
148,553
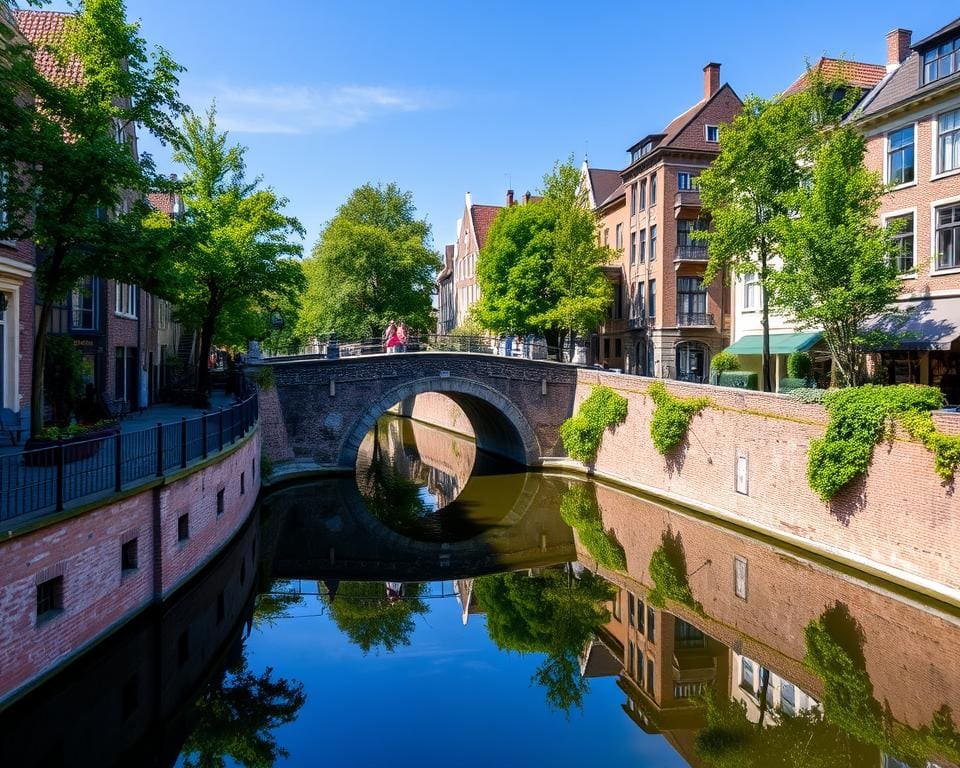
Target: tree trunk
764,687
39,363
573,342
765,319
201,394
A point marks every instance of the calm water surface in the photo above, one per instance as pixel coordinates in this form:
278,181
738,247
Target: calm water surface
444,608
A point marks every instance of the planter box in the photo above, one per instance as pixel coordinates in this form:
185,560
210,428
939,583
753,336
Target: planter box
40,452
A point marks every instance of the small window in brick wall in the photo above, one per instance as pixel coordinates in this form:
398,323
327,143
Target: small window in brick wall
220,501
49,598
183,527
253,468
129,556
740,577
243,483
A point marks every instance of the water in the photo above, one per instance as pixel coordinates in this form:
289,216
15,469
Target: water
445,608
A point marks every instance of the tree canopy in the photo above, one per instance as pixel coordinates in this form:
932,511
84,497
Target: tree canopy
370,620
373,263
540,269
240,259
74,180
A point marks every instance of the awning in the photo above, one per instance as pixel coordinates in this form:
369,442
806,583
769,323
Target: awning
780,343
926,324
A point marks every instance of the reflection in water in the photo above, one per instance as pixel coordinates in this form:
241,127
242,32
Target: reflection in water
653,638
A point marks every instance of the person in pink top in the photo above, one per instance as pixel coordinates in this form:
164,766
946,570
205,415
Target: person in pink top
402,337
390,340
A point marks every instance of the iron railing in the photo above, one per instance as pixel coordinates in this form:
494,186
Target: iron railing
45,480
691,253
695,319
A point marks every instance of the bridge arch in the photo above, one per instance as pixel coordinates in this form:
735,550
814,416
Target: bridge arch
499,425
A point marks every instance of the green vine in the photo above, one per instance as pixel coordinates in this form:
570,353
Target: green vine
262,377
860,417
668,571
581,434
671,418
579,510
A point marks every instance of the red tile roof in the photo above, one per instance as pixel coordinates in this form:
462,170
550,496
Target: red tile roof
482,217
857,73
162,201
41,28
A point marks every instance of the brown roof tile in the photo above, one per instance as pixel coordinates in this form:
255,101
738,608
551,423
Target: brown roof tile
482,217
42,28
902,86
162,201
857,73
604,183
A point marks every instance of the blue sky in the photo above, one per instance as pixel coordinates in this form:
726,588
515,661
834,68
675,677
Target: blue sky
446,97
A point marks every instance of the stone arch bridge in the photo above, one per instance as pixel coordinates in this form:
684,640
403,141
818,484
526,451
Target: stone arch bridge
319,410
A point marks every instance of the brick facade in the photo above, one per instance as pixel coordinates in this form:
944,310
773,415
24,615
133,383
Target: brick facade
85,550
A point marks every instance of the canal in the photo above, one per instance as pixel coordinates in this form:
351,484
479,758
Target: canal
444,607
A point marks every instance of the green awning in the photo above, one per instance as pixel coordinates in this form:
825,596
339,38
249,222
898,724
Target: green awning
780,343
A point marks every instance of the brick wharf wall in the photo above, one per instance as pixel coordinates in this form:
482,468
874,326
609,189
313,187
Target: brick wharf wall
900,520
785,593
85,550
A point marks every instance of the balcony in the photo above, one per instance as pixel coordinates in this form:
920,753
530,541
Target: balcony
695,319
686,200
637,323
690,253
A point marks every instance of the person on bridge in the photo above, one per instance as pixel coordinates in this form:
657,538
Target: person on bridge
390,337
402,337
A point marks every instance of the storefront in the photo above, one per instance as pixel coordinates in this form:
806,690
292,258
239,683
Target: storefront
749,348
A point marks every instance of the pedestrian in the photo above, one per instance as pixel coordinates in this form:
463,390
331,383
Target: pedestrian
402,337
390,337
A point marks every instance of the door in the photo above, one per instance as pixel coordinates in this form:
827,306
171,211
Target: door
692,362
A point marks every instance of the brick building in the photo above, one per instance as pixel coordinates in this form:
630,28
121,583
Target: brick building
911,120
663,322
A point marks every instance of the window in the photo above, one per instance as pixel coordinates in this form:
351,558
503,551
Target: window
183,527
163,314
617,348
243,483
651,624
633,247
649,675
128,556
766,683
83,304
653,243
900,156
740,577
691,297
4,182
606,347
941,61
948,141
638,301
606,235
631,658
653,190
619,237
643,195
616,606
712,133
220,501
751,290
788,698
119,133
948,235
686,180
633,198
642,243
652,301
903,243
126,300
631,611
49,598
746,674
742,476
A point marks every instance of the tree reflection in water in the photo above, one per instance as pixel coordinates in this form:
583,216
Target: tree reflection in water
372,618
552,612
236,717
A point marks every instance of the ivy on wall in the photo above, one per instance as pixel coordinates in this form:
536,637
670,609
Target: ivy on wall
668,571
580,511
860,417
671,417
581,434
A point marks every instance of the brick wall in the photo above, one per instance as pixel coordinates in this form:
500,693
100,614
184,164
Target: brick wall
86,551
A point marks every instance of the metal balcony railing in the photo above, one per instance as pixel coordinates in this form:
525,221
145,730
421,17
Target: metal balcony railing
687,319
690,253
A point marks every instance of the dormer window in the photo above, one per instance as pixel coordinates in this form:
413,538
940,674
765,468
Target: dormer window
941,60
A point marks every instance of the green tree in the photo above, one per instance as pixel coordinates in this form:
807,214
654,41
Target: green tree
364,613
540,270
236,717
74,181
373,263
241,260
765,155
550,614
838,266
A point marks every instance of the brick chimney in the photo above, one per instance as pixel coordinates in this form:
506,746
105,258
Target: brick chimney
898,47
509,197
526,197
711,80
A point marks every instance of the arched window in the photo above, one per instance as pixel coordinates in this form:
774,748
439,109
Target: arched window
693,361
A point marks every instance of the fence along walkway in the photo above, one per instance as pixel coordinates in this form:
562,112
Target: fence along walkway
47,480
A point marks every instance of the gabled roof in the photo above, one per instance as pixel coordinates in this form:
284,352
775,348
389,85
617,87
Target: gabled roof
603,182
481,217
949,30
858,73
620,191
41,28
165,202
902,86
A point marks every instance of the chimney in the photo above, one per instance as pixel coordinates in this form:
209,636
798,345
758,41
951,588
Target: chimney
509,197
526,197
711,80
898,47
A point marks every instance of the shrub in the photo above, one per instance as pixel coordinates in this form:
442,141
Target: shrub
788,385
739,379
724,361
63,376
859,419
581,434
670,581
671,417
579,510
799,365
262,376
808,395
